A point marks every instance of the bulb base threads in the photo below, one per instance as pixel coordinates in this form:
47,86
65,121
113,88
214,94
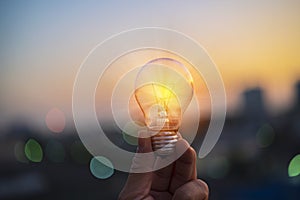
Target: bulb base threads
163,142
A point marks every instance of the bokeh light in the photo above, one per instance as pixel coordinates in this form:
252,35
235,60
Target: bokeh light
55,151
101,167
219,167
79,153
294,166
33,151
265,136
19,152
55,120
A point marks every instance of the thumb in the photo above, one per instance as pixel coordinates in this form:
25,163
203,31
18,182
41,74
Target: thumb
140,178
144,159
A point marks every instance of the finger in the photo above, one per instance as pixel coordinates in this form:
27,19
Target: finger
161,178
149,198
144,142
144,159
185,166
138,184
161,195
195,189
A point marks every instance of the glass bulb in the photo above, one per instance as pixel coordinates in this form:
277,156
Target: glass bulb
163,90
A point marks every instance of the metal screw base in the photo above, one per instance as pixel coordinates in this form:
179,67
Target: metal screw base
163,143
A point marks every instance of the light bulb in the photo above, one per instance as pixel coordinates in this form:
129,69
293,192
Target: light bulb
163,91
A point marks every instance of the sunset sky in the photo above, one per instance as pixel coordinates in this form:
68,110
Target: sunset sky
254,43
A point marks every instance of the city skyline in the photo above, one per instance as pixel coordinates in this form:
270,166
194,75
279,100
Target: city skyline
254,44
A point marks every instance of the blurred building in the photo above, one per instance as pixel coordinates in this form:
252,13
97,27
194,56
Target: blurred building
297,91
254,107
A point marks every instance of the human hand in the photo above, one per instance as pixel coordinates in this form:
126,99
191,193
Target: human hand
177,181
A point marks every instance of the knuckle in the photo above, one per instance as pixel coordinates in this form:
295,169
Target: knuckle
204,188
186,195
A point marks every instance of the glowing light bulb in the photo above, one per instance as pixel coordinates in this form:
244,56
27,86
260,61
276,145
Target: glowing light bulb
163,90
